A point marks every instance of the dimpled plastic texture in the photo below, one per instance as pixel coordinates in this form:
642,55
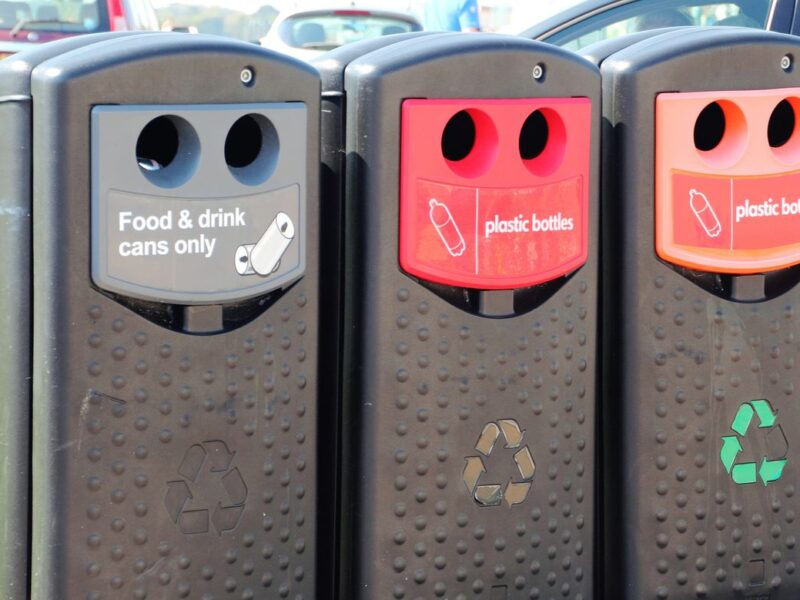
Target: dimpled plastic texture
700,487
167,465
701,535
15,298
196,468
471,438
446,377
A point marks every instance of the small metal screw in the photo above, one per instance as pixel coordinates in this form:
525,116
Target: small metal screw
538,72
786,62
247,76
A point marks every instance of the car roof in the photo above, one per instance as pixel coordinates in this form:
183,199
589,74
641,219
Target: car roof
7,46
565,17
577,13
379,12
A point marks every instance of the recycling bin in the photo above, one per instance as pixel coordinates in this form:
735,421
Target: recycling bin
174,279
701,248
15,296
331,66
469,320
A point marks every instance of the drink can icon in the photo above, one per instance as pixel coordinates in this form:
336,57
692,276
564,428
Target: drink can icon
446,227
266,254
704,212
264,257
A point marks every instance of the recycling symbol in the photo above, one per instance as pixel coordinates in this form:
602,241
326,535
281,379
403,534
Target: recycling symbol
771,468
492,494
211,492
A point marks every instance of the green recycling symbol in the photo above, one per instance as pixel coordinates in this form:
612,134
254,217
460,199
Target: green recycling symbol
744,473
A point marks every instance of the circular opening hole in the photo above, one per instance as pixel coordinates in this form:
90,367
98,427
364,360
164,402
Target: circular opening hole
458,137
158,143
709,128
781,124
542,141
243,143
167,151
720,133
469,142
533,137
782,130
251,149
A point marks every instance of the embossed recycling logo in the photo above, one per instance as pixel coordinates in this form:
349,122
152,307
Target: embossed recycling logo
479,483
211,492
770,468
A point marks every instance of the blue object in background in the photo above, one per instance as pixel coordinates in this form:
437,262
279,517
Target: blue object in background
451,15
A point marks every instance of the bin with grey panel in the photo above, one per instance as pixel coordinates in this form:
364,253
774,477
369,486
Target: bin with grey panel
175,384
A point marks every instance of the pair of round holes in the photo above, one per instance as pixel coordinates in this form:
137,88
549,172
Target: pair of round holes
720,132
168,150
470,142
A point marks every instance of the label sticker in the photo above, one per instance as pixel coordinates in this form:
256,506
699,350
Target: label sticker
495,238
733,224
186,225
489,201
189,246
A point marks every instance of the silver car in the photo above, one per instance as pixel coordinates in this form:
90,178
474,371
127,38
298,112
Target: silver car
307,34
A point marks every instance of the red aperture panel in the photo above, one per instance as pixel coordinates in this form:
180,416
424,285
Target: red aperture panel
511,209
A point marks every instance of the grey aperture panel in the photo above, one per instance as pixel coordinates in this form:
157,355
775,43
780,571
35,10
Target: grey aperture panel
197,230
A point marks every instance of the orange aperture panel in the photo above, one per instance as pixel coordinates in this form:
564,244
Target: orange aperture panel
734,208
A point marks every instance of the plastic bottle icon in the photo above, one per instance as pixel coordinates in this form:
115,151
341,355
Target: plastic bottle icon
264,257
704,212
446,228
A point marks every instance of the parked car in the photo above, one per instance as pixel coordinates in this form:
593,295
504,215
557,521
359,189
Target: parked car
309,33
36,21
597,20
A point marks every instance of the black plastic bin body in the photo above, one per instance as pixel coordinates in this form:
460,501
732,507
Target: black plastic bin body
331,67
431,371
15,411
697,360
144,410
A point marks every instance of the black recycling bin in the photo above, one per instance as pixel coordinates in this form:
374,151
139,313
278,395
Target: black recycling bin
700,335
331,66
15,296
174,359
469,320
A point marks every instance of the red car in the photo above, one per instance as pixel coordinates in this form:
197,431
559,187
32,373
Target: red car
36,21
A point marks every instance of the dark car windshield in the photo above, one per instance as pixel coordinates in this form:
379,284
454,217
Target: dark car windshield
62,16
324,31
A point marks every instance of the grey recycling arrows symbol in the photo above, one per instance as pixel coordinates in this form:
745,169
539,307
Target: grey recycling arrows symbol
493,494
204,466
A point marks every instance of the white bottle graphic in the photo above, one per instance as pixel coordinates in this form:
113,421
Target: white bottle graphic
264,257
446,228
704,212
